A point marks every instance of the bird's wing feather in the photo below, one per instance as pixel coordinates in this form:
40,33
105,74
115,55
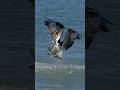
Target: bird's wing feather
70,38
55,28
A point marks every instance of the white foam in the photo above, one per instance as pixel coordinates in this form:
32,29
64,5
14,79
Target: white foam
52,67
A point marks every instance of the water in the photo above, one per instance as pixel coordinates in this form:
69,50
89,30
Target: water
49,74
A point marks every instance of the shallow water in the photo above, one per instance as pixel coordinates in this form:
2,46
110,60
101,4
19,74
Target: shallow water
49,74
59,77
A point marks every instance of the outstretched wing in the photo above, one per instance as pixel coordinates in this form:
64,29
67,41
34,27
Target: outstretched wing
92,12
70,37
55,28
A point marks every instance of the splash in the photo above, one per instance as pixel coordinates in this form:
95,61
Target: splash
57,67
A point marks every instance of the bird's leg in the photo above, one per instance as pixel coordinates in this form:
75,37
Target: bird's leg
59,56
61,60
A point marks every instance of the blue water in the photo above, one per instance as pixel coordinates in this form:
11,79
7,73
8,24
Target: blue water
49,74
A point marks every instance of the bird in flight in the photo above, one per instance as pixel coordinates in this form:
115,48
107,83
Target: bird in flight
94,23
56,29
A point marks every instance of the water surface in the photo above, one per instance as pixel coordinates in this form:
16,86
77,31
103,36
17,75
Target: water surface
49,74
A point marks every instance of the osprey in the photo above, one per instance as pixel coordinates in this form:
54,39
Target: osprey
94,23
56,30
